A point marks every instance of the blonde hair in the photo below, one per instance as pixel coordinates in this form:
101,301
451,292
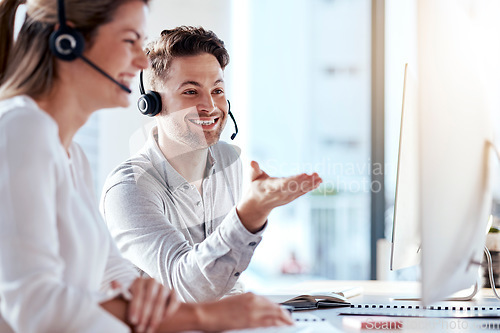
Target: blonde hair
27,65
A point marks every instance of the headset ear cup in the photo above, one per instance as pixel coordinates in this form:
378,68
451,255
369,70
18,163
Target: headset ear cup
66,43
149,104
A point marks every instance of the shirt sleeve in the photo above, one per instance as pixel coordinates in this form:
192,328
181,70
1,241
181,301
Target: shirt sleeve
33,295
203,272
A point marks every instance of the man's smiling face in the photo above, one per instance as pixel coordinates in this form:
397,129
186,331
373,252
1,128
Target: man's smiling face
194,103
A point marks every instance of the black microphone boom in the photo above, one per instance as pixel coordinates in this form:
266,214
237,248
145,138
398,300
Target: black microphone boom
234,121
94,66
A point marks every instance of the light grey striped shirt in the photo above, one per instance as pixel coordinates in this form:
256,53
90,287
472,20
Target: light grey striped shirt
194,243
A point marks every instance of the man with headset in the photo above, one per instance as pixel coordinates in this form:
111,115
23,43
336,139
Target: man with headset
176,209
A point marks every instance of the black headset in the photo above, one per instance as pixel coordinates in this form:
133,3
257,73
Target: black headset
149,104
68,44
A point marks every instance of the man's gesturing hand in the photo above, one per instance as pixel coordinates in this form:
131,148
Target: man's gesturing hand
267,192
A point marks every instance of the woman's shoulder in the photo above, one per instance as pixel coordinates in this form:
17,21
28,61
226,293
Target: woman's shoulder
22,112
23,125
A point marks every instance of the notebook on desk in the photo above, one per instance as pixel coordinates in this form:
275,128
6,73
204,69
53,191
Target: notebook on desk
316,299
310,302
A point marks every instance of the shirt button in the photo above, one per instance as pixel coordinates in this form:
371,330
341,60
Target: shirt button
198,203
186,187
237,274
252,243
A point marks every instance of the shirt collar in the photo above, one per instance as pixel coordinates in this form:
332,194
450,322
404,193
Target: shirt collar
172,178
211,162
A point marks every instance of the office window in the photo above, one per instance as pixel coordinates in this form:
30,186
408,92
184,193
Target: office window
400,48
309,110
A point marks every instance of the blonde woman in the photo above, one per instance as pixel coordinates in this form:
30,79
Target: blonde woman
59,269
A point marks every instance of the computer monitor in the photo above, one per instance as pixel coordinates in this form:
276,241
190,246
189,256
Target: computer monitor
455,135
443,199
443,191
406,239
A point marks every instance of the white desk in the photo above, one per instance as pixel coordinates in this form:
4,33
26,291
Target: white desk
385,292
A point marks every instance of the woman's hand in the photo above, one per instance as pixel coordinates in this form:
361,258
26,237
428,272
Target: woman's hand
267,193
241,311
151,304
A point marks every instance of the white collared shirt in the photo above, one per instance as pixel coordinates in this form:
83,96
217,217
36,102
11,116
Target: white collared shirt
57,258
191,242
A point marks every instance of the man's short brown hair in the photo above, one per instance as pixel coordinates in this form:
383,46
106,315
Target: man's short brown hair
180,42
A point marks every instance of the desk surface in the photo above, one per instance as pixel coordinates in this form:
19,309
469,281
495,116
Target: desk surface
388,293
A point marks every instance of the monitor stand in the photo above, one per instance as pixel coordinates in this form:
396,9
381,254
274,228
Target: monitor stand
456,299
474,291
490,272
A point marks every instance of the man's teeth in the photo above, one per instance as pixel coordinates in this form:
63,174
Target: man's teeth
202,122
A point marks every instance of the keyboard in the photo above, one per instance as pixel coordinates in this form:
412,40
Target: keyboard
305,322
274,329
434,311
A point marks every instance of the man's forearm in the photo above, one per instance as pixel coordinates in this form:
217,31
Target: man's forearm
118,308
187,316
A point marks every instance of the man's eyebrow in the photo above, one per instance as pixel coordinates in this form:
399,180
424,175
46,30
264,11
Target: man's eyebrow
186,83
197,84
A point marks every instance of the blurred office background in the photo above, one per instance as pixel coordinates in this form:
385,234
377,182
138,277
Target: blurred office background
315,85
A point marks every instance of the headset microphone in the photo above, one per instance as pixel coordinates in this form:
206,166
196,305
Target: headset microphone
234,121
67,44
